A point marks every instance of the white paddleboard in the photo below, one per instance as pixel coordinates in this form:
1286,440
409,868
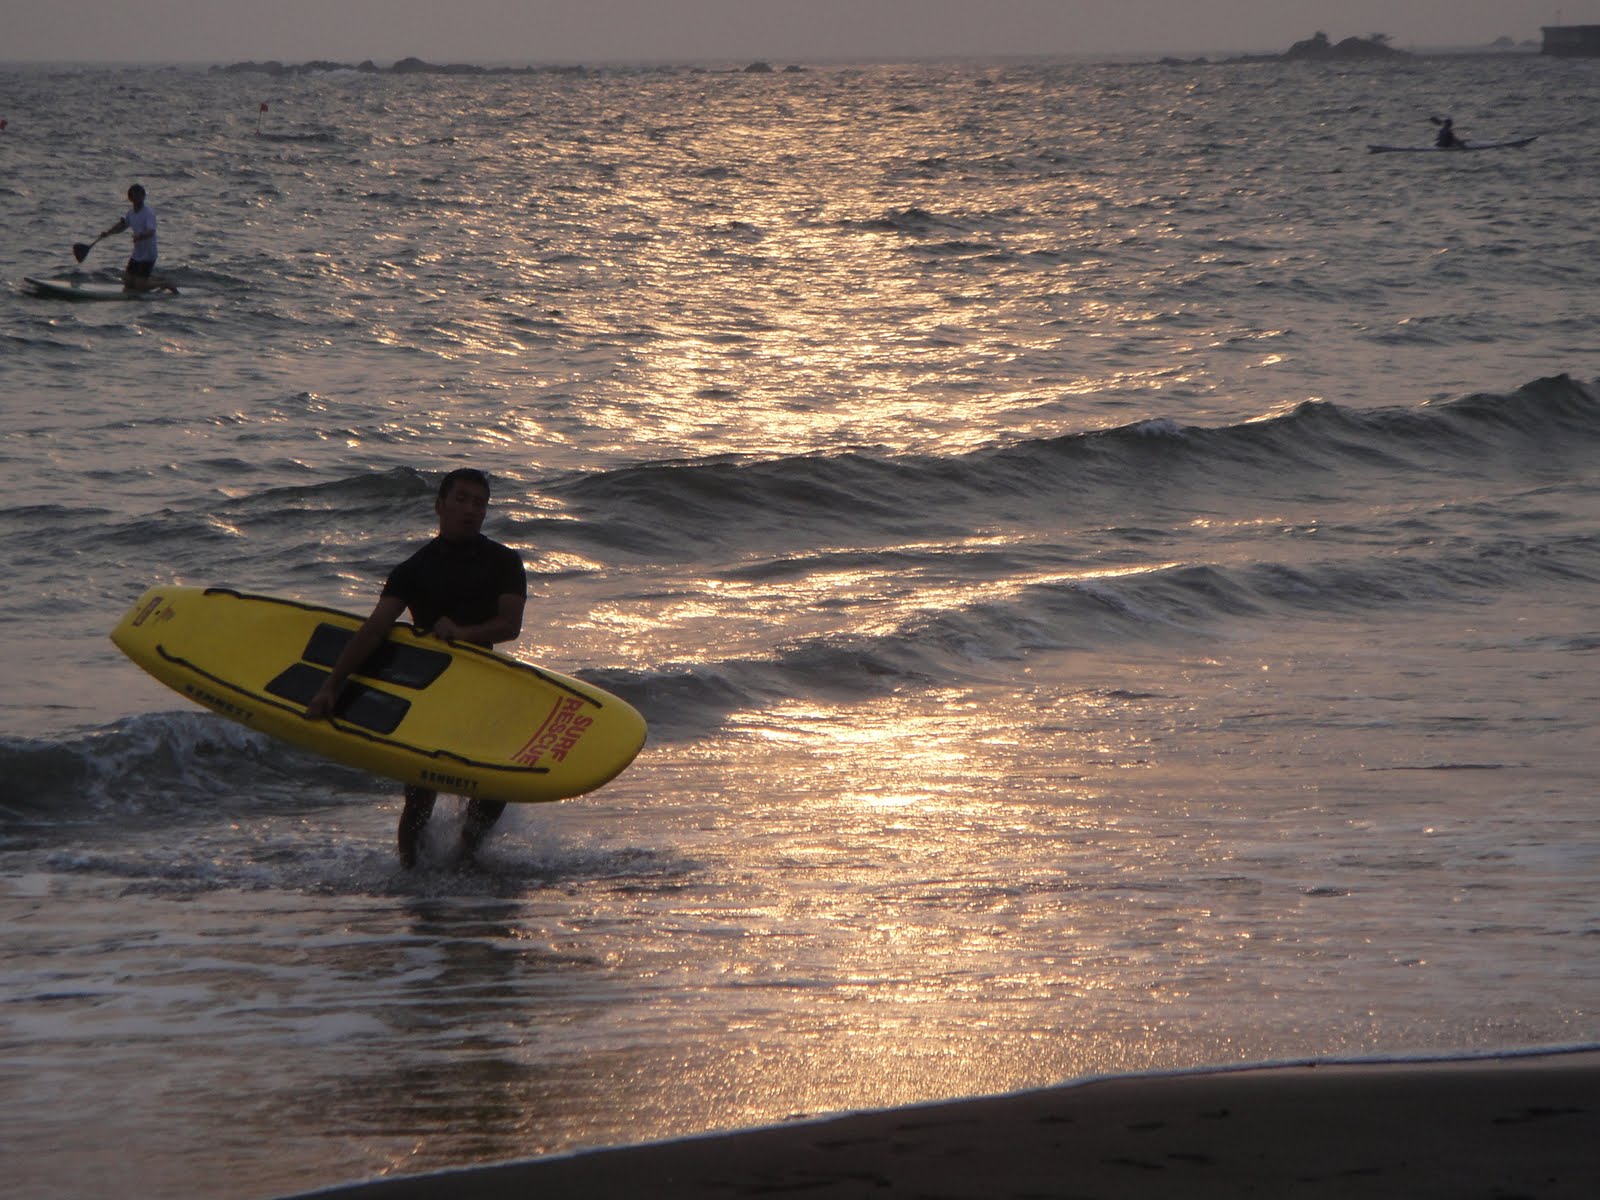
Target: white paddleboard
70,288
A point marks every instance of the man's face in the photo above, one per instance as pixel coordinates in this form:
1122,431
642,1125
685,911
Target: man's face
462,510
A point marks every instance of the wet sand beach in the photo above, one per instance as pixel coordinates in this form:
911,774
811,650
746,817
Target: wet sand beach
1503,1127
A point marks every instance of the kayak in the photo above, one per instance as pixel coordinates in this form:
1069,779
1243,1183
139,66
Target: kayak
1452,149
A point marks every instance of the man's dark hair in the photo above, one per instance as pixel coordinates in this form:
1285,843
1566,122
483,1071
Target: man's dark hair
462,475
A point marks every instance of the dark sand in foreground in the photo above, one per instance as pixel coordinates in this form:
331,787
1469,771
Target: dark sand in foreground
1518,1127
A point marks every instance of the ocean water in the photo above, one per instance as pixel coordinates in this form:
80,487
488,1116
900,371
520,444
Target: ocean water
1110,566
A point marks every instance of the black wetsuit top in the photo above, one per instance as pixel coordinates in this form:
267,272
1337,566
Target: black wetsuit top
460,580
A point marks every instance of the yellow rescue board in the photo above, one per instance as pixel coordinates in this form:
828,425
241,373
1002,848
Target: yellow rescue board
442,715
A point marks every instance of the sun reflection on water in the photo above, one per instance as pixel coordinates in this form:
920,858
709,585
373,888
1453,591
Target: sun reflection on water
918,919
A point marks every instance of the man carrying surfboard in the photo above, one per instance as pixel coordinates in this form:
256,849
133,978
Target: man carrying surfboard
138,275
461,586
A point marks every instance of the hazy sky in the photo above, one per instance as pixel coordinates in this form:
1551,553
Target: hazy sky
539,31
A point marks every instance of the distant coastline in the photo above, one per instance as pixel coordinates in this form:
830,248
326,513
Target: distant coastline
1320,48
1317,48
417,66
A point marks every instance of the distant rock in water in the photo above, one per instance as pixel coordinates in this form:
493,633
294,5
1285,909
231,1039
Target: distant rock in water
1319,47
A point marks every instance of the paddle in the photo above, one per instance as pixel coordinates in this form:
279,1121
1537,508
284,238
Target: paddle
80,250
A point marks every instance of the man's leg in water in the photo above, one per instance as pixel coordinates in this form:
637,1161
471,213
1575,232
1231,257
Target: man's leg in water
413,819
481,816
